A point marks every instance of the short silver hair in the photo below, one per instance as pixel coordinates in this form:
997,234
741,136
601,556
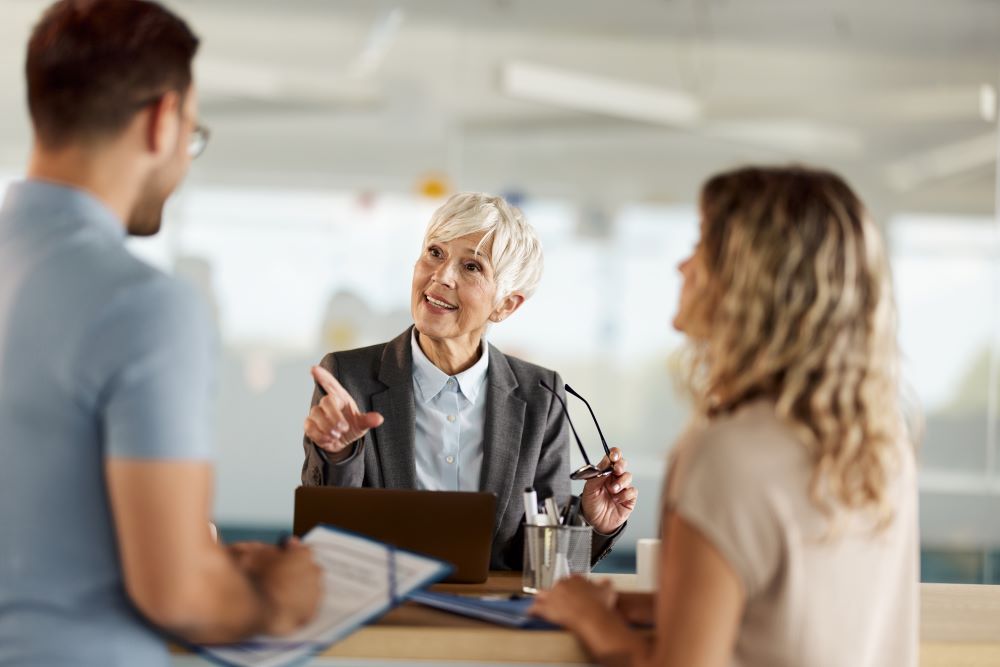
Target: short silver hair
510,243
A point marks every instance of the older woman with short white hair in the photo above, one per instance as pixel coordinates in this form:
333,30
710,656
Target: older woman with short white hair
459,414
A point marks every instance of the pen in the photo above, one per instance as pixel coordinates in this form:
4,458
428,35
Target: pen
541,517
499,597
530,506
572,511
531,518
552,510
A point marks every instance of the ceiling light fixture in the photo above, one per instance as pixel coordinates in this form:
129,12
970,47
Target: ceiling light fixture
601,95
988,102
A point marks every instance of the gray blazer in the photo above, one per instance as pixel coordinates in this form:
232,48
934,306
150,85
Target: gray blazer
526,439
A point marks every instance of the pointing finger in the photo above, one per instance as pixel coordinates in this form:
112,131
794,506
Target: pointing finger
327,382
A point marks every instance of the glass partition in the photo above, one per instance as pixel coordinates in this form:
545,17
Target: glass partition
337,126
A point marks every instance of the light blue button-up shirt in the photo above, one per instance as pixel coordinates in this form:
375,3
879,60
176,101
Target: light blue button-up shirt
101,357
450,422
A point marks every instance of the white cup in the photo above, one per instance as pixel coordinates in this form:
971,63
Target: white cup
647,563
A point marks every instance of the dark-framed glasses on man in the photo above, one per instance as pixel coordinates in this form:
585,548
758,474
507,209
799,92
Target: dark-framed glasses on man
198,141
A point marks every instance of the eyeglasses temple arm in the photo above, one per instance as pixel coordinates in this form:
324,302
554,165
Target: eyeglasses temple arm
607,450
579,443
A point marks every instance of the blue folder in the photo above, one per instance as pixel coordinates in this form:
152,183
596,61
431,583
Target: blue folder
246,650
512,613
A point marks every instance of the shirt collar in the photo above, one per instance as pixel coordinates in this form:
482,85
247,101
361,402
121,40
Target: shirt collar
33,199
431,380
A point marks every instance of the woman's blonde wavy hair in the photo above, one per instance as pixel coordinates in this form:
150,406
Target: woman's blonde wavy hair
800,311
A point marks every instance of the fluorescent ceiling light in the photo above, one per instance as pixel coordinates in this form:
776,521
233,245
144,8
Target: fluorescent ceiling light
798,137
226,77
920,104
988,102
942,162
662,106
601,95
219,78
380,38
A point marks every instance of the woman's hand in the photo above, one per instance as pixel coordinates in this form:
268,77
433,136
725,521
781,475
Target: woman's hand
637,608
574,603
335,422
608,501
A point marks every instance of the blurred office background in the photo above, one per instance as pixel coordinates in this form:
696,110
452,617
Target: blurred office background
337,127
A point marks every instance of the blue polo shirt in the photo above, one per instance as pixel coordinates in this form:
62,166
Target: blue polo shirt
101,357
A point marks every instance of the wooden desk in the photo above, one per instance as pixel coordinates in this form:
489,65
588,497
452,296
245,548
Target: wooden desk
960,627
420,633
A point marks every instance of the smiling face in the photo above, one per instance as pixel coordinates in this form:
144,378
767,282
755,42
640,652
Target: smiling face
454,289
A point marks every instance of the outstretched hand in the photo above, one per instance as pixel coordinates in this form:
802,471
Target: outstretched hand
335,422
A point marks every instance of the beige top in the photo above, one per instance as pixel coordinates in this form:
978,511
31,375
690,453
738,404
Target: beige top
811,600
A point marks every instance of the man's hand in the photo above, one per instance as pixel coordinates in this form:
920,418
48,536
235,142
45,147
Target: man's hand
185,582
335,423
608,501
291,582
250,557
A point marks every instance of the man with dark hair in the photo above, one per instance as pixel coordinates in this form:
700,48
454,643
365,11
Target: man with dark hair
105,369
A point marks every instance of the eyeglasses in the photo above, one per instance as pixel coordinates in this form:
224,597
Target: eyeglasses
198,141
199,135
589,470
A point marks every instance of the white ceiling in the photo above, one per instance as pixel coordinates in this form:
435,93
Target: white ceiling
352,94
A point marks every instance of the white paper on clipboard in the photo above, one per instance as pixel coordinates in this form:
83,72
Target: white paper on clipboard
362,579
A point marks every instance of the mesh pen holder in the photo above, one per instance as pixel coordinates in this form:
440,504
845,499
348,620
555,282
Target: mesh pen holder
554,552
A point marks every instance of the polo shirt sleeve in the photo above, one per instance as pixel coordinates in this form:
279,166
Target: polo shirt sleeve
150,359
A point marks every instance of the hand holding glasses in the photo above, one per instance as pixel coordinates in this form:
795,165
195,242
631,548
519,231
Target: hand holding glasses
589,470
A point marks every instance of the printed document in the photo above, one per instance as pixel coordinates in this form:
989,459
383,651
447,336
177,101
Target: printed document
362,579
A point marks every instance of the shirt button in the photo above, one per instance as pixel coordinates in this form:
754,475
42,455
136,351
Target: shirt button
450,459
451,418
451,382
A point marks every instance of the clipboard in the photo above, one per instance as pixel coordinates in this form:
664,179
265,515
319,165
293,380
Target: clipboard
363,579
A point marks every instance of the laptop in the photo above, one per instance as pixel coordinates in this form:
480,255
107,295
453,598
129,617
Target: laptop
453,526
